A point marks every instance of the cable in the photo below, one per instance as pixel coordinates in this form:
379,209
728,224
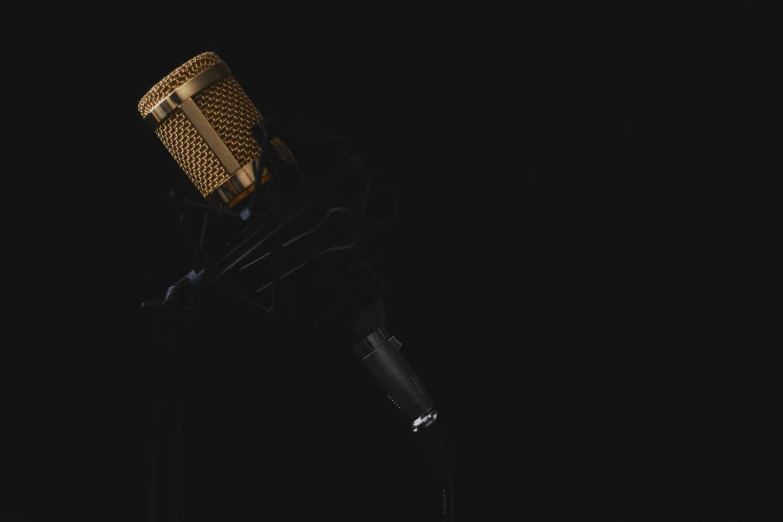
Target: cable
434,441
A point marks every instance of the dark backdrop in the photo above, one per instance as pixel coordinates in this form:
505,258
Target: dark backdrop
552,272
278,426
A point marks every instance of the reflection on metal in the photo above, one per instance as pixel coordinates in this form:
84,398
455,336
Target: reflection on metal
425,420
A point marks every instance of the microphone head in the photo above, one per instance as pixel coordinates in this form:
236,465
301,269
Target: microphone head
205,120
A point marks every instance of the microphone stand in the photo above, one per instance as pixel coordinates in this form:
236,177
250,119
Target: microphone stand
262,230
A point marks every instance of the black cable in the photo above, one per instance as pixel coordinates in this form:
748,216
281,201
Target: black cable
434,441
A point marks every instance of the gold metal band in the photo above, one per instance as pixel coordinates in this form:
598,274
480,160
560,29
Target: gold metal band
163,109
240,183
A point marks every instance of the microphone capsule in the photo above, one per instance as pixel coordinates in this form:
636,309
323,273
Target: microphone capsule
205,120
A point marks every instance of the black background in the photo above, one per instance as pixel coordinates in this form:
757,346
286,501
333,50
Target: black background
281,426
551,273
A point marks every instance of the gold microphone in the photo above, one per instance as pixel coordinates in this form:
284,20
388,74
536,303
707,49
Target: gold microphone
206,121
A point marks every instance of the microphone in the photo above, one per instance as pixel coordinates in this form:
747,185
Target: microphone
211,128
205,120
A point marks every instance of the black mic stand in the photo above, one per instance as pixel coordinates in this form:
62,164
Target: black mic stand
289,223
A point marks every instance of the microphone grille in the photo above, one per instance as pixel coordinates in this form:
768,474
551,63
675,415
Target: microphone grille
191,152
177,78
228,111
232,113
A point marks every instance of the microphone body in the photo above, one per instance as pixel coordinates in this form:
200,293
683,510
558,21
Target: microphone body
208,124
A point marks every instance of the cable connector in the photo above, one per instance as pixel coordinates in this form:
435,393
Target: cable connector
381,355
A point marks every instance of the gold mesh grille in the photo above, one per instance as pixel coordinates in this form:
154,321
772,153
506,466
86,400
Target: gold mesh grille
176,79
231,113
191,152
